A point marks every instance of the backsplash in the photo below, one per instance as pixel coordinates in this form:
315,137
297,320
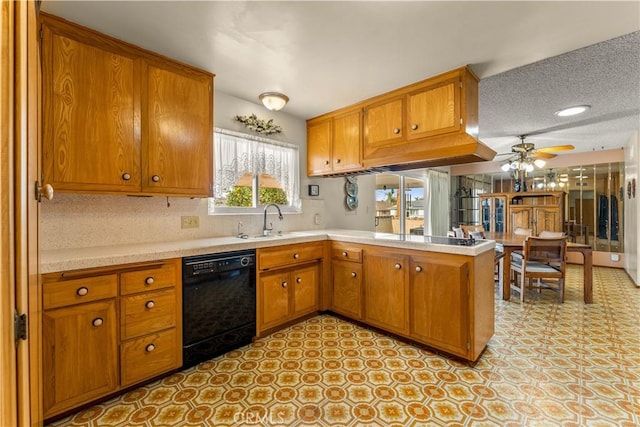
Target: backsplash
79,220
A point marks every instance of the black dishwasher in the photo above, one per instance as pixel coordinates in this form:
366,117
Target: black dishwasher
218,304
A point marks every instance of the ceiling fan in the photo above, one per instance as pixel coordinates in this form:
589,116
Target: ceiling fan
525,155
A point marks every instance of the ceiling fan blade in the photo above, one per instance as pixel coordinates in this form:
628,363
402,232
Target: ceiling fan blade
556,148
542,155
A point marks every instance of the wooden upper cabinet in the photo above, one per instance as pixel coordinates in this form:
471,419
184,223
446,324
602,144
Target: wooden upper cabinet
383,123
334,143
319,137
434,110
119,119
90,131
178,134
347,140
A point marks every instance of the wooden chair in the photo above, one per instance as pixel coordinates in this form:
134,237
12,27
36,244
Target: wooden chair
469,228
551,234
542,259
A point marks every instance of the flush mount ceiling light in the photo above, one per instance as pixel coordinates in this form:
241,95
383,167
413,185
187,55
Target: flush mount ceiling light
274,101
572,111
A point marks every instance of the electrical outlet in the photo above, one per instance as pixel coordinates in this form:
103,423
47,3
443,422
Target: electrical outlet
190,222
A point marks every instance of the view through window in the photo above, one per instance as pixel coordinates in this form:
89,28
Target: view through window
250,172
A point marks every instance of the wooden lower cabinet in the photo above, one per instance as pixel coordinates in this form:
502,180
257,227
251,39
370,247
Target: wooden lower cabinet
347,289
386,290
80,350
108,328
287,294
439,288
445,301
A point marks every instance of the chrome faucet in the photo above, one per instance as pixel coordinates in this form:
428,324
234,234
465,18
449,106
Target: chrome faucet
267,230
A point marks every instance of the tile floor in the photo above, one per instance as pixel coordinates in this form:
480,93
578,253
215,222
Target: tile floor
548,364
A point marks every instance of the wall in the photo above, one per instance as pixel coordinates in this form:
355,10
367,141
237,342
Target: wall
82,220
632,209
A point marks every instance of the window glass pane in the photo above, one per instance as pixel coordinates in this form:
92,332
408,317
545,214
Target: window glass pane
251,171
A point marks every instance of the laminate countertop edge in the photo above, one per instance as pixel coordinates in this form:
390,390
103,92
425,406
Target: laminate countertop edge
57,260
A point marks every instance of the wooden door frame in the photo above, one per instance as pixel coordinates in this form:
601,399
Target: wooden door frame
20,398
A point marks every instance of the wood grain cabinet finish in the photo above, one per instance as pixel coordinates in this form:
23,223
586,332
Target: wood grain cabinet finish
440,302
346,262
537,210
386,289
445,301
119,119
432,122
334,143
80,354
98,340
289,279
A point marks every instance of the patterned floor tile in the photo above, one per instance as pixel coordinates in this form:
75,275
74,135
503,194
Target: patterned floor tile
548,365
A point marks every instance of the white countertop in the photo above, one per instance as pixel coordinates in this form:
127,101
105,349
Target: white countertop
100,256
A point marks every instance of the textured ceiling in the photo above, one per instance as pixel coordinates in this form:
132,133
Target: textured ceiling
532,57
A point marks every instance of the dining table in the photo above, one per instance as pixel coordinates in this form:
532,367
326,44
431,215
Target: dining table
510,242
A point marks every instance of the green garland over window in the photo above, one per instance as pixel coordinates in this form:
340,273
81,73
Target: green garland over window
264,127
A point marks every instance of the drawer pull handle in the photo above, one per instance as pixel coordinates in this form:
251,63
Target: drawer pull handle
126,176
396,131
149,280
418,269
284,284
345,254
296,256
326,162
82,291
150,348
155,178
98,321
150,304
414,127
338,161
298,280
398,266
354,274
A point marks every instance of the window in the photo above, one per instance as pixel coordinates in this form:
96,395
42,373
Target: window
251,172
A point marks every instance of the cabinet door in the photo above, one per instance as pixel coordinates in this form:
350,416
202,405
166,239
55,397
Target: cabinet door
178,131
439,302
386,290
547,218
434,110
520,217
347,141
273,305
319,134
347,289
80,354
383,125
90,132
304,286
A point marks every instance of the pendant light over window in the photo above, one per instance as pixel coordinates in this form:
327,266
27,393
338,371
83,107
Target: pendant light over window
274,101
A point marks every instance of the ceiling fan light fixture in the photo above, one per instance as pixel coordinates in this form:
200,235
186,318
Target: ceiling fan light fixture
572,111
505,167
539,163
274,101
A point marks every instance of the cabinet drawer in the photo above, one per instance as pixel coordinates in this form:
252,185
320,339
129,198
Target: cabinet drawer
288,255
346,252
148,356
75,291
162,276
148,312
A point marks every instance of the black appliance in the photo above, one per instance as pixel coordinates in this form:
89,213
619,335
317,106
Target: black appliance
218,304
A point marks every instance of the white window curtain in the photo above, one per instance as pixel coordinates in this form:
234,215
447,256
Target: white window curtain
237,154
436,203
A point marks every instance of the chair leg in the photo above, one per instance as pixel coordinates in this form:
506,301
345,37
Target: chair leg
561,289
522,287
